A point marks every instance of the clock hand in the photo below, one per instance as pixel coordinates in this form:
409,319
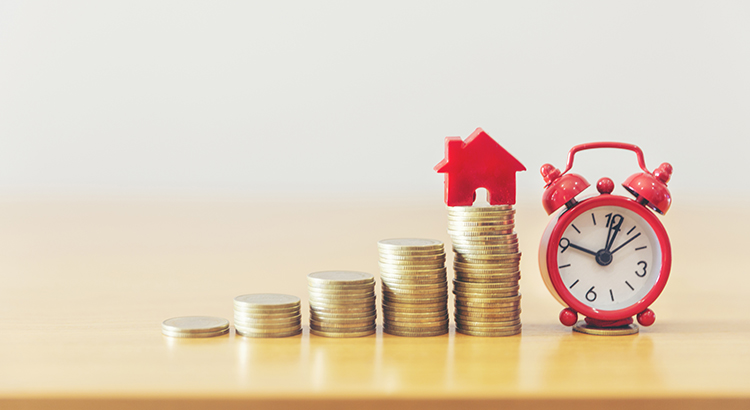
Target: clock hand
626,242
614,229
581,249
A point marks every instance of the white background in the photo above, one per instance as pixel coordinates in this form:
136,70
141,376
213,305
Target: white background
355,98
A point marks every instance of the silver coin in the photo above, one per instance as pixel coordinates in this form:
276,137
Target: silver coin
263,300
340,277
409,243
194,325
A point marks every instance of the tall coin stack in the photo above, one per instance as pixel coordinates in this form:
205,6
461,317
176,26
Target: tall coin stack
267,315
414,286
486,265
342,303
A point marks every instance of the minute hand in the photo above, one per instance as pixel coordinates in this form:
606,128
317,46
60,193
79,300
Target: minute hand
626,242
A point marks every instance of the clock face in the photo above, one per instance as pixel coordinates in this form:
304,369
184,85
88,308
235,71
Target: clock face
608,257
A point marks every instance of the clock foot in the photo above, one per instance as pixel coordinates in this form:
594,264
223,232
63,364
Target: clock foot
647,317
590,329
568,317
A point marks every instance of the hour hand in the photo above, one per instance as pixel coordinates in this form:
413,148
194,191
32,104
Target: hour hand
565,244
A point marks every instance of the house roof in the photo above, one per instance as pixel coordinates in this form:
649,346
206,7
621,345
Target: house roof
479,142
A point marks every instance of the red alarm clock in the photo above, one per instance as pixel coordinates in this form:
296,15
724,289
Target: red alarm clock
606,257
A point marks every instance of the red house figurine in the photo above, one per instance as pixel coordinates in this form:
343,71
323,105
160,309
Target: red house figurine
478,162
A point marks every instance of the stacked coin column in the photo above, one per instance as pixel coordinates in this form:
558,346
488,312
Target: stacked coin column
414,286
486,267
342,303
267,315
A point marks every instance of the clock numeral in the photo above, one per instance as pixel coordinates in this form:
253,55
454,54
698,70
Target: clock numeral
564,243
591,295
610,217
642,274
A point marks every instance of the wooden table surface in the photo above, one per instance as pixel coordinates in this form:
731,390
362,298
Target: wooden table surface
86,284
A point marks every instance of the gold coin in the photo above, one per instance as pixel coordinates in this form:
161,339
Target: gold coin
439,332
411,264
342,310
468,286
478,317
257,330
270,321
434,281
415,302
423,258
325,297
329,329
479,311
342,326
344,316
501,333
416,321
427,313
314,301
388,327
493,293
415,308
415,286
487,325
268,335
340,334
410,274
416,252
341,287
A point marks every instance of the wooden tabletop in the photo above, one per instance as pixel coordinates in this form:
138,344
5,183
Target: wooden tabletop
86,284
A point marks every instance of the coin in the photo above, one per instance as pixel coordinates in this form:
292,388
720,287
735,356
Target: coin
409,244
195,326
342,334
194,335
583,327
268,335
266,300
494,333
340,277
334,329
393,332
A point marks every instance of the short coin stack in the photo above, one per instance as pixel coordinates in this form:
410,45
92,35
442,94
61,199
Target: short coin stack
267,315
195,326
415,287
486,269
342,303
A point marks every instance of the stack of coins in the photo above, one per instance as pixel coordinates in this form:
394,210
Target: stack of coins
342,303
267,315
195,326
486,269
414,286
